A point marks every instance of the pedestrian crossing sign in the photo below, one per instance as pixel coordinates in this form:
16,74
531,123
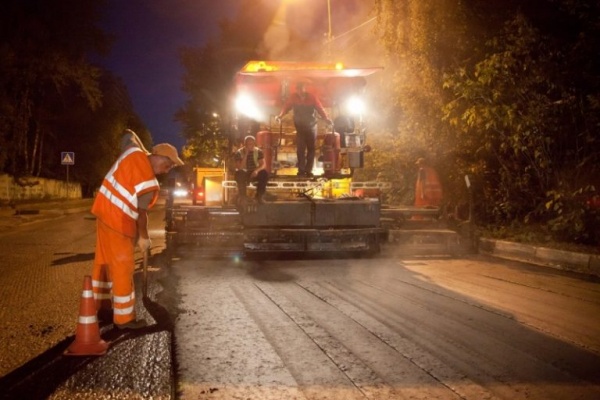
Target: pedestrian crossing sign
67,158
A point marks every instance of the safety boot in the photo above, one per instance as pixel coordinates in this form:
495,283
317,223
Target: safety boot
134,324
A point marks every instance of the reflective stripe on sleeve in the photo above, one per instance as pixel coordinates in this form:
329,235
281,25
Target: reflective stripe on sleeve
145,185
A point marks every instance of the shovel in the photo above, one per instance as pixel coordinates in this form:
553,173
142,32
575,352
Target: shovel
145,272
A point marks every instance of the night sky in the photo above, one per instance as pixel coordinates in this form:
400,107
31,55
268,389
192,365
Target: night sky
145,53
149,33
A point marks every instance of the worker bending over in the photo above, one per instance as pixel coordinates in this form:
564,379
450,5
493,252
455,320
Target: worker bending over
121,206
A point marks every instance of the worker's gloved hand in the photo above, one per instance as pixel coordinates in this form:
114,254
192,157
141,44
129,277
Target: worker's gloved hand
144,244
278,119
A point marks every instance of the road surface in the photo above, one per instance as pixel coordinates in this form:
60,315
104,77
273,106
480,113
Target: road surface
42,266
382,328
385,328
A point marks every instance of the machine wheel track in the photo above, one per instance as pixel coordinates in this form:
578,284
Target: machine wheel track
365,379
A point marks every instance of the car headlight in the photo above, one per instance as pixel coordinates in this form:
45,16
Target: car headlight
180,192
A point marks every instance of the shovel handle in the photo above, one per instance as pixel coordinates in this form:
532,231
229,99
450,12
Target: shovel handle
146,254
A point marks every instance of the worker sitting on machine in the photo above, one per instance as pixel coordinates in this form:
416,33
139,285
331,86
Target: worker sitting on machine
250,166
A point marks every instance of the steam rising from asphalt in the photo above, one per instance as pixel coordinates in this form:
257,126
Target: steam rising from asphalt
353,41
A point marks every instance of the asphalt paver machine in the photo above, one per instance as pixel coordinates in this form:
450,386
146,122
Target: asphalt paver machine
321,213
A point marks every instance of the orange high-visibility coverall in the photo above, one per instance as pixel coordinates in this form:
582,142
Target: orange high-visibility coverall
428,190
116,211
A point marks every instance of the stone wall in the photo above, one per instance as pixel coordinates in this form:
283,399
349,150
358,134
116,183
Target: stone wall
32,188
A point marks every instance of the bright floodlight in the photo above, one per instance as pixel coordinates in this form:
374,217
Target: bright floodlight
355,106
247,106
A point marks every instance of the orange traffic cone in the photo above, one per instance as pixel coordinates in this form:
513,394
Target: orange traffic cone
87,338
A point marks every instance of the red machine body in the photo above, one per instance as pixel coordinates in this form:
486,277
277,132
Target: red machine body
264,140
302,214
331,153
263,87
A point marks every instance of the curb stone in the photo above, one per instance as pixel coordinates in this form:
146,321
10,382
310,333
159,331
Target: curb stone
27,213
559,259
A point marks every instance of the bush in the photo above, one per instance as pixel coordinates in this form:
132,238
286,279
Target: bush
574,216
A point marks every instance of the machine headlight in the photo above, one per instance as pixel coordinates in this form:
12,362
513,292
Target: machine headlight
247,106
355,106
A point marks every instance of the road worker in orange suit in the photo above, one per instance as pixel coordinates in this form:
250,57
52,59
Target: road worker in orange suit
121,206
428,190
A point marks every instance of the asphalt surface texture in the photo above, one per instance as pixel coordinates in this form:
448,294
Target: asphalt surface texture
162,340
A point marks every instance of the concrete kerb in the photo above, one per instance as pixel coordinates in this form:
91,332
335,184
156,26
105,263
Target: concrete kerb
588,264
25,213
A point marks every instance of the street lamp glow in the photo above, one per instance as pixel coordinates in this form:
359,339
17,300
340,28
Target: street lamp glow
329,29
329,20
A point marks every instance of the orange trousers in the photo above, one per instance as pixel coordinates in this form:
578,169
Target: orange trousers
428,190
112,275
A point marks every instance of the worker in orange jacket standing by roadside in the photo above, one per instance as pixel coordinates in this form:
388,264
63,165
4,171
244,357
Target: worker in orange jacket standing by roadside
121,206
428,190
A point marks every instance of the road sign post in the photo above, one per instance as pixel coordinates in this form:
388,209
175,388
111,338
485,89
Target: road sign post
67,158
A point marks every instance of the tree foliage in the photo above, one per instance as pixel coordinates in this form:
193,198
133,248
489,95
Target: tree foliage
423,39
95,135
504,92
52,99
42,53
514,104
208,81
523,110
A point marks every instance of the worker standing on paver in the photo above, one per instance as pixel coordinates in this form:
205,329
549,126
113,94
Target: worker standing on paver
305,106
121,207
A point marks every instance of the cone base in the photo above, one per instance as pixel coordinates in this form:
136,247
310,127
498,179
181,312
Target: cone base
87,349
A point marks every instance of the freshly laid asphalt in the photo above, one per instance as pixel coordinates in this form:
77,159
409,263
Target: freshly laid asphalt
126,370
